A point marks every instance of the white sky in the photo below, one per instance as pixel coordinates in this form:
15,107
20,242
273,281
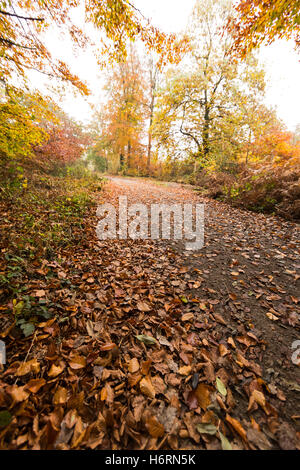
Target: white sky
282,65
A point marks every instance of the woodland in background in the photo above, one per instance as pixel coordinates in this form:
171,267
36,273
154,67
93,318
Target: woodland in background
187,108
202,121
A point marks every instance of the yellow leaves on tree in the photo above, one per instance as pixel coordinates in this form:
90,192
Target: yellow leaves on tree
22,44
257,22
23,47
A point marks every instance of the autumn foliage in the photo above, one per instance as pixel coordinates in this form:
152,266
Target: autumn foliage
65,143
204,123
256,22
138,344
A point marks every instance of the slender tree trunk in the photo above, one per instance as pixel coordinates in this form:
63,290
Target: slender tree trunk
153,84
121,160
205,136
205,133
129,154
150,138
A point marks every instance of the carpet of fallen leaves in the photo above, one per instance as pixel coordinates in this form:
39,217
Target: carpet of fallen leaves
153,347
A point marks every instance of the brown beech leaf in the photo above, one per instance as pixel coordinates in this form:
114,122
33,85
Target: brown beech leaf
203,393
143,307
185,370
192,400
155,428
147,387
34,385
237,426
133,380
27,367
56,370
256,397
187,317
60,396
18,394
219,319
223,350
134,365
77,362
108,347
145,367
40,293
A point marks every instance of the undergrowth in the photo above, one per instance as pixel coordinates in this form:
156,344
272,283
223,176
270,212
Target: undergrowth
41,215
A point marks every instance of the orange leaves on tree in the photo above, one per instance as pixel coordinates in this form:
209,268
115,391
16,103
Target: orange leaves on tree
256,22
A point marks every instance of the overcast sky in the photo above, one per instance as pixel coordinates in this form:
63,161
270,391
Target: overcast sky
282,64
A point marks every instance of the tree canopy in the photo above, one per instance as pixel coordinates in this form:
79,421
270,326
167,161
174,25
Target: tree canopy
257,22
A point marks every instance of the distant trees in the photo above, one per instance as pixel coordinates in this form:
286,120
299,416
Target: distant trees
276,146
23,48
21,114
206,113
65,143
208,105
124,132
122,119
152,76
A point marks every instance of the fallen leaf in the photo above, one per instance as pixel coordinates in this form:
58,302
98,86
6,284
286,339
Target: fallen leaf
203,393
27,367
77,362
108,347
56,370
206,428
271,316
256,397
185,370
146,339
155,428
221,387
187,317
143,307
147,387
237,426
40,293
34,385
133,366
18,394
224,442
60,396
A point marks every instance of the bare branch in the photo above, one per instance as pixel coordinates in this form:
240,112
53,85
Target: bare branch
7,13
12,43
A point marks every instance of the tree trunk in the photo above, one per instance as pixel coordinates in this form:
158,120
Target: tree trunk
149,142
129,154
121,160
205,137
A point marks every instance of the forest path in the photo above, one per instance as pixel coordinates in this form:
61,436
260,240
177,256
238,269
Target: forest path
243,285
150,346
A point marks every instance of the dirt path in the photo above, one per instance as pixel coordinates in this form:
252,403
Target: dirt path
247,274
154,347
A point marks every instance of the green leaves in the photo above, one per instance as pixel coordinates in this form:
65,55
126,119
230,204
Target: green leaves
148,340
206,428
27,328
211,429
221,387
225,442
5,418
